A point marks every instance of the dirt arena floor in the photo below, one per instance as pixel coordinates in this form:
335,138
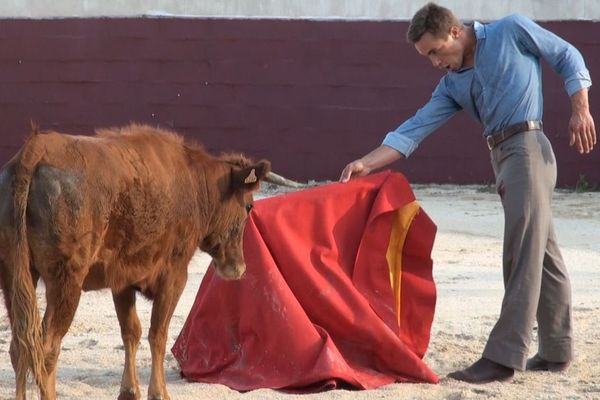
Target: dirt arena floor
467,271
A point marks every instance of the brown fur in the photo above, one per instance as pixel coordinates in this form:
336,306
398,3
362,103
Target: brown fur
124,210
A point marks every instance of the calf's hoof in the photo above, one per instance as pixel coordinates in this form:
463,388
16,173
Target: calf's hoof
129,394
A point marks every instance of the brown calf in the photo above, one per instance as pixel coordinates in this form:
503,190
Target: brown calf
124,210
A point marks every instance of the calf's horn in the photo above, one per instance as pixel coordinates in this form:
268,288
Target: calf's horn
276,179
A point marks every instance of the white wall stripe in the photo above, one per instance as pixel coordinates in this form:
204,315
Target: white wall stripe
544,10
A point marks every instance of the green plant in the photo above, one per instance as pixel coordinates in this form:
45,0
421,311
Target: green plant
487,187
583,185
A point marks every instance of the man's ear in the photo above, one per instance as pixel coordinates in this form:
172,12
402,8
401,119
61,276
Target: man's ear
455,31
248,178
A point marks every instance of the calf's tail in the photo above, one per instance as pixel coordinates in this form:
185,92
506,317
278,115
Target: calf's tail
26,323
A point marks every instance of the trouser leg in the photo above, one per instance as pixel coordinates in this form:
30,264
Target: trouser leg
526,174
554,313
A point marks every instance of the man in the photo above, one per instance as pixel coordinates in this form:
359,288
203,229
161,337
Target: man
494,74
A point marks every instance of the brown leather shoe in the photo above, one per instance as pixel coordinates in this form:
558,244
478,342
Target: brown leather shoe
537,363
484,371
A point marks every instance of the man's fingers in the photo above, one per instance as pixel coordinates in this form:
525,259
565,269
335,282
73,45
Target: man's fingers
585,144
343,177
588,138
592,136
346,174
575,142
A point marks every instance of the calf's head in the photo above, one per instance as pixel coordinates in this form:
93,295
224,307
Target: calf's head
224,239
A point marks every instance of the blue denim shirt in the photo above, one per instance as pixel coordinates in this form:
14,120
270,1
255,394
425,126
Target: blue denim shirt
503,87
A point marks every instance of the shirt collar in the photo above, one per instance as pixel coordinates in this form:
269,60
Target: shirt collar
479,30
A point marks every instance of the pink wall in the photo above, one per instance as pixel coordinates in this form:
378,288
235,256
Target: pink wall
308,95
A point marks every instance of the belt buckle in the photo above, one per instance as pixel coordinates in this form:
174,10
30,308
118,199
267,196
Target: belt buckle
531,125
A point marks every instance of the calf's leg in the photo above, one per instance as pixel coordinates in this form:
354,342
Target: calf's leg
131,331
162,311
62,298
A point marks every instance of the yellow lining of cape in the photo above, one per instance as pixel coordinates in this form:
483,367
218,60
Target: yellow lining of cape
402,218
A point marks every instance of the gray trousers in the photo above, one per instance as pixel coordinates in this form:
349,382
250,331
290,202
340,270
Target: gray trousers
536,281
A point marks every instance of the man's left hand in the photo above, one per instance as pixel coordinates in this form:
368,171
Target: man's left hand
582,132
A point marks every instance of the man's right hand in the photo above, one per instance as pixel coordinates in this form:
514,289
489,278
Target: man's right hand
380,157
354,169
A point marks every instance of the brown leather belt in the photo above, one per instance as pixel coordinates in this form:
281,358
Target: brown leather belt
498,137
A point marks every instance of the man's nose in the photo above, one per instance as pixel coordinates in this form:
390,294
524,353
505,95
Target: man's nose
435,61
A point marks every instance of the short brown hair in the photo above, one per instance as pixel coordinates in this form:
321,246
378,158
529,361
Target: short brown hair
434,19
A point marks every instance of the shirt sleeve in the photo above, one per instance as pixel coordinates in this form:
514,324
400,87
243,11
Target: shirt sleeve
562,56
439,109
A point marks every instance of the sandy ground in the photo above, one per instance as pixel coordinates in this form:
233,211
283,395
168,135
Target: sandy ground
467,259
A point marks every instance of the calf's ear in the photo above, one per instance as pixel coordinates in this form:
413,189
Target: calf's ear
248,178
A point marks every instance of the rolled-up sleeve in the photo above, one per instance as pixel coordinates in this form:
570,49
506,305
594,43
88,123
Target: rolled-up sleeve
562,56
578,81
439,109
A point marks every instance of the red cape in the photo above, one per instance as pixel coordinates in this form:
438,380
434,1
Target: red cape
338,290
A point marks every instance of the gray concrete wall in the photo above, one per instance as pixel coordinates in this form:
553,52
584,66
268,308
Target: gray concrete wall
544,10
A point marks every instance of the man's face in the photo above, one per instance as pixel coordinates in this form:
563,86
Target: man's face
443,52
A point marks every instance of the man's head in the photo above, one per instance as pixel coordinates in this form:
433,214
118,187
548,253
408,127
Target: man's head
439,35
